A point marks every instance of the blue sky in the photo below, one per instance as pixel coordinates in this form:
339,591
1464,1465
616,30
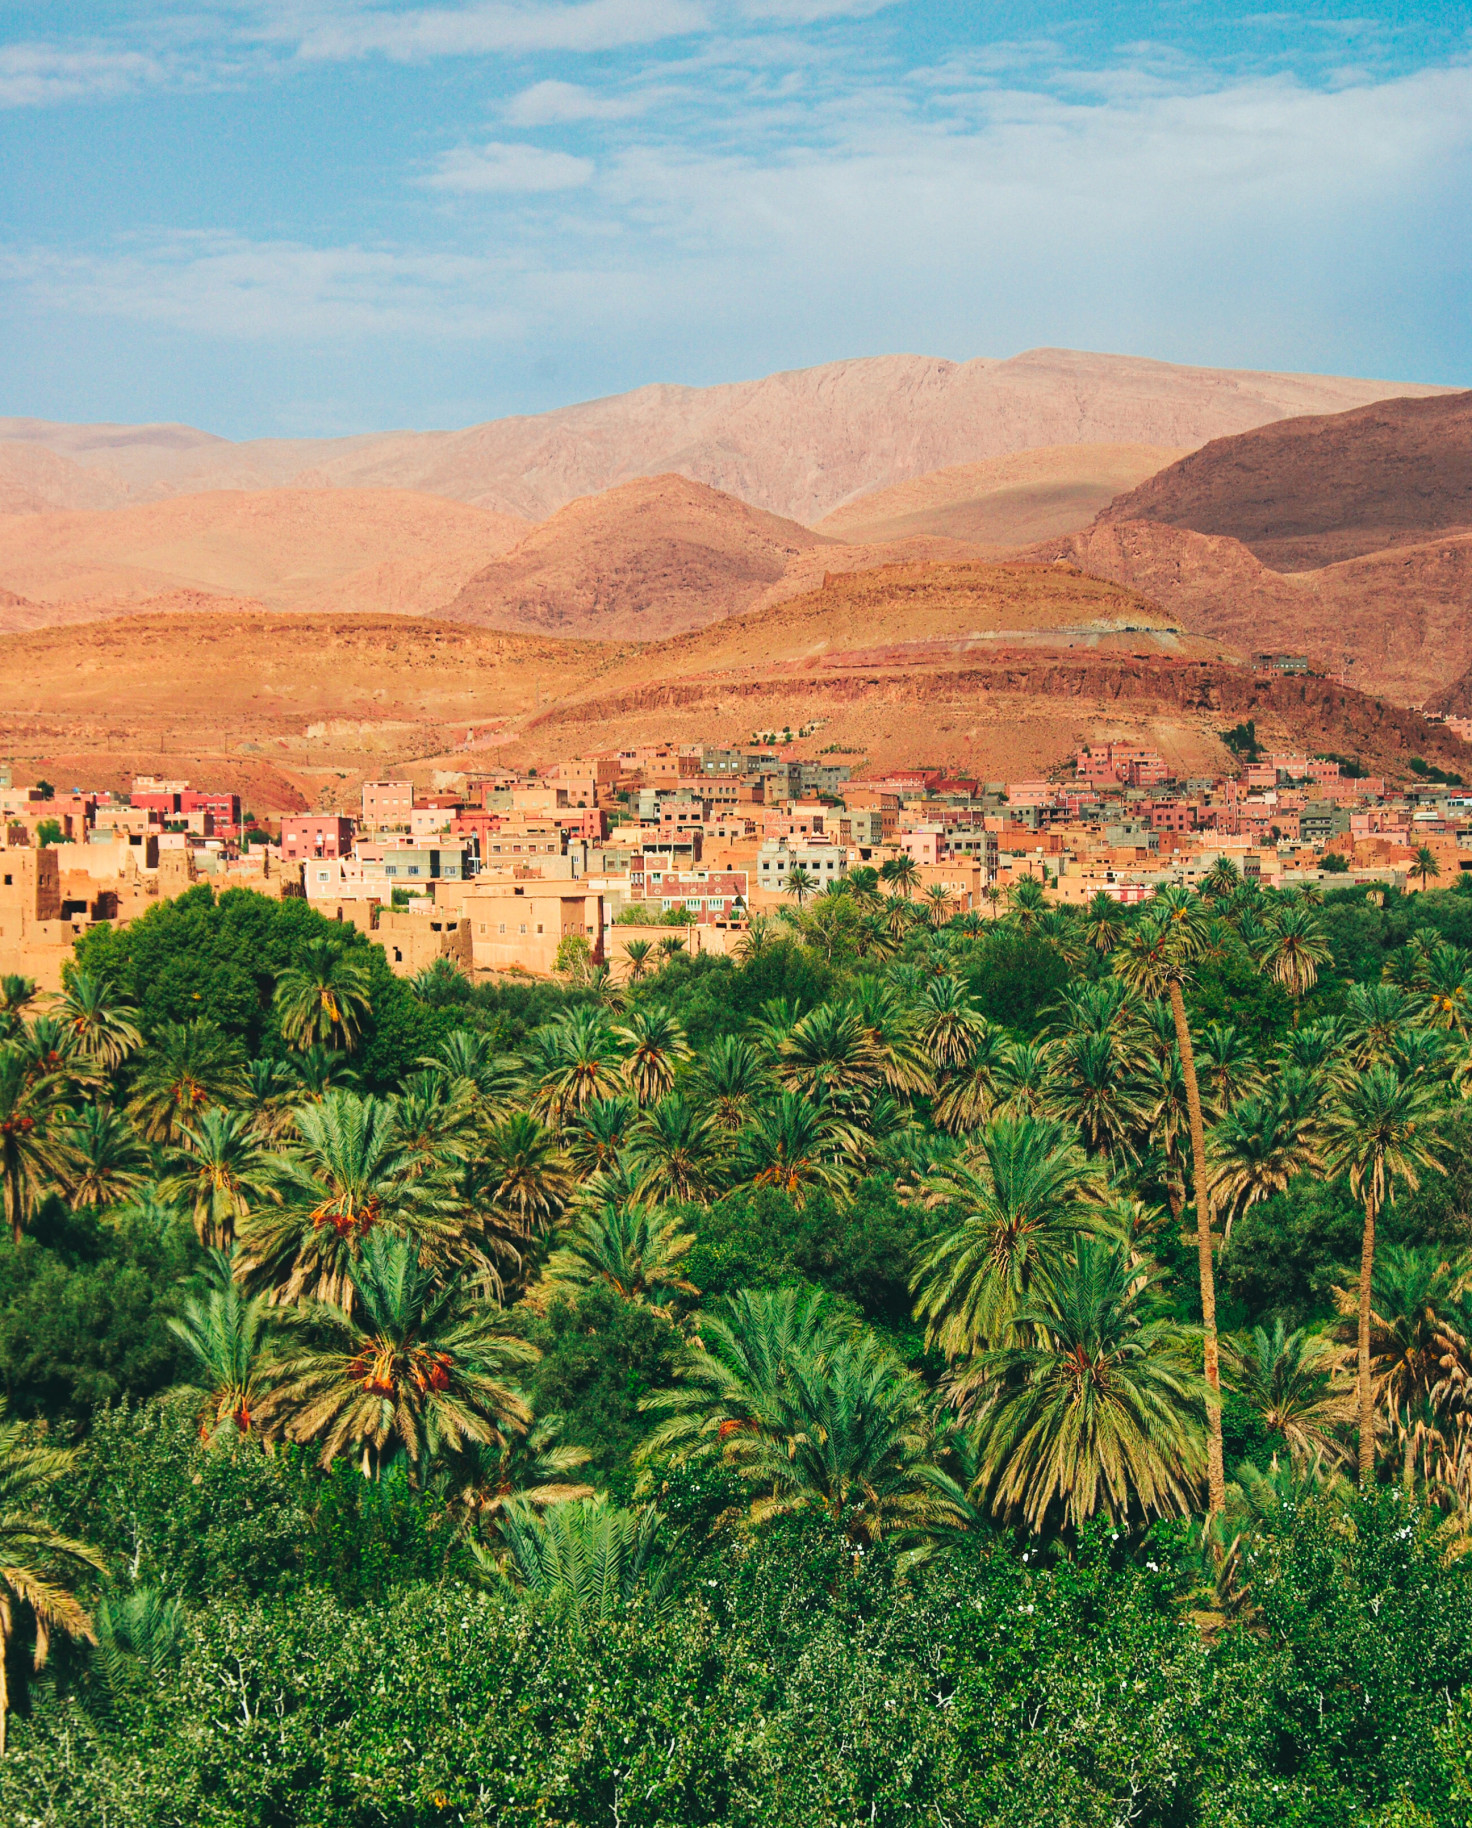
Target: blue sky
317,216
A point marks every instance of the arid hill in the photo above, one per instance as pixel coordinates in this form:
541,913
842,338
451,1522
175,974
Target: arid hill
375,549
1003,501
648,559
798,444
1313,491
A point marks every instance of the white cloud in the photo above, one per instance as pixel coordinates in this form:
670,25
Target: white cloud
32,75
548,104
481,30
505,167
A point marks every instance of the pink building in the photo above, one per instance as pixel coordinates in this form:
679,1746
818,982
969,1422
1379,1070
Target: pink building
387,805
308,835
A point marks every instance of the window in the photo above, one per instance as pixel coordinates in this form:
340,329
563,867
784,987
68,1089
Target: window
522,928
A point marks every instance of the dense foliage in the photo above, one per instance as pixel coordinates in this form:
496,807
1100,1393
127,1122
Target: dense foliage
929,1368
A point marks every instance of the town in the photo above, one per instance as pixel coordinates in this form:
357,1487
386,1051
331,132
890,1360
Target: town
601,858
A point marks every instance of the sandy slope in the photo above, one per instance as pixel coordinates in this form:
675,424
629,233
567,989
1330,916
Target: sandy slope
799,444
286,548
1003,501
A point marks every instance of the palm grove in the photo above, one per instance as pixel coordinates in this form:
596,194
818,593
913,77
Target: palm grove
929,1368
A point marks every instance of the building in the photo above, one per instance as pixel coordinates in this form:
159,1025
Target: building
315,834
825,864
387,805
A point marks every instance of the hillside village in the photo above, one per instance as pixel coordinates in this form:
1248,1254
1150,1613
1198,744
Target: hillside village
600,858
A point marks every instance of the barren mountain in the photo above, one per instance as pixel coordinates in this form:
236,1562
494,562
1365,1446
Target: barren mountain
1397,622
1312,491
647,559
798,444
1003,501
364,548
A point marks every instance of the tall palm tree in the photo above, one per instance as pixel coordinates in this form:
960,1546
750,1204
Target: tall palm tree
795,1146
729,1078
527,1173
949,1022
320,1070
829,1053
52,1050
1092,1086
186,1066
1296,951
1376,1014
269,1096
657,1045
33,1137
1229,1064
937,904
758,938
599,1135
637,953
104,1160
104,1023
574,1059
1103,923
678,1151
1425,865
1097,1407
1025,1078
221,1170
1285,1379
1026,1198
1027,903
324,997
231,1339
635,1249
972,1093
1257,1149
1447,987
421,1371
520,1469
810,1415
349,1176
891,1025
439,1120
799,883
471,1060
39,1564
1381,1132
902,872
1157,960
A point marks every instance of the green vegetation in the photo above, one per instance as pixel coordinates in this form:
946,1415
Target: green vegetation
1425,771
1241,739
923,1369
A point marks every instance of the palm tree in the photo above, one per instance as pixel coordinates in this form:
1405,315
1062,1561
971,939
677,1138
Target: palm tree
1024,1081
902,872
349,1176
1296,950
39,1564
1285,1380
221,1170
1257,1149
1156,960
103,1158
810,1415
441,984
1091,1085
635,1249
1381,1131
656,1044
229,1337
519,1469
269,1097
1027,903
972,1094
1448,989
728,1078
470,1060
637,953
598,1136
949,1023
52,1050
1425,865
187,1066
678,1151
756,940
794,1146
575,1059
829,1053
527,1173
439,1120
1376,1015
33,1138
891,1025
324,997
421,1372
1231,1067
102,1022
17,993
588,1555
320,1070
1098,1407
1026,1199
938,904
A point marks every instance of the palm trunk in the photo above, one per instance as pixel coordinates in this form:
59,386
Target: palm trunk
1366,1390
1216,1477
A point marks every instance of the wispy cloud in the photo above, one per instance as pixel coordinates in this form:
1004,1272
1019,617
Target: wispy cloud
549,104
34,74
508,167
485,29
